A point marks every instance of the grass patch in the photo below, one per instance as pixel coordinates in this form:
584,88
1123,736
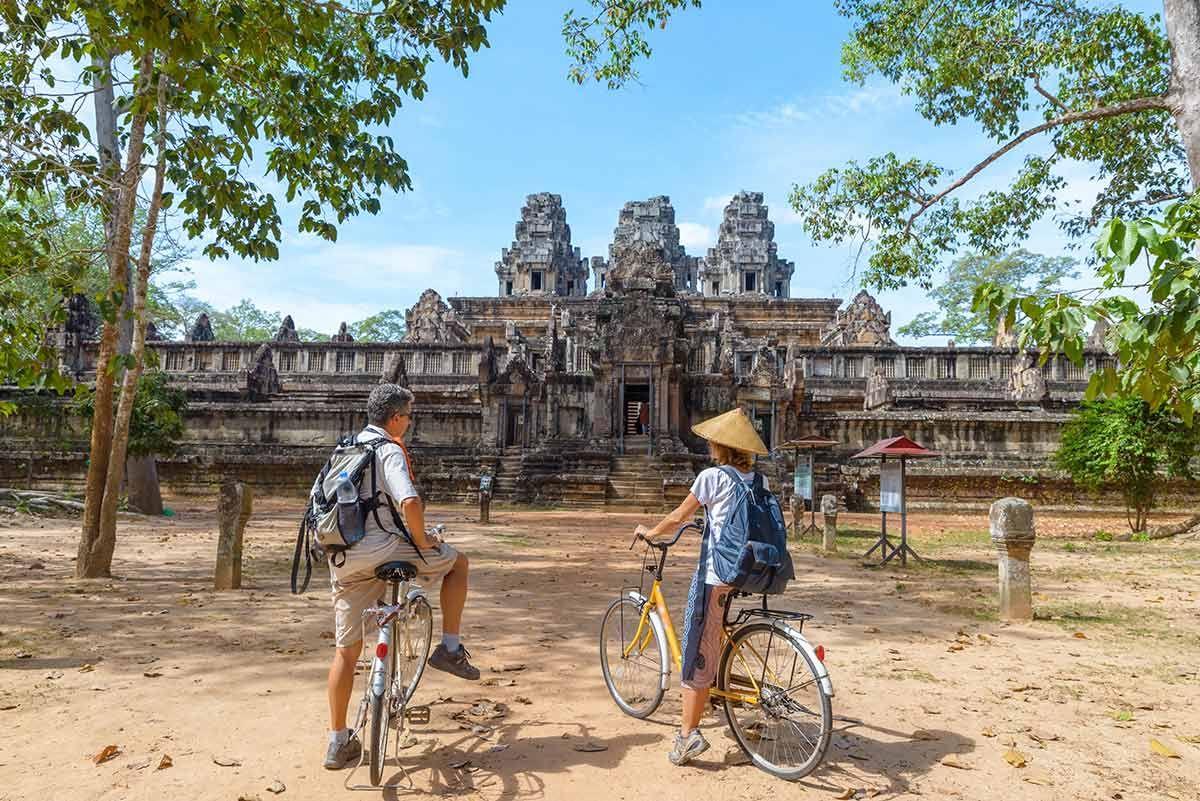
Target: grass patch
515,540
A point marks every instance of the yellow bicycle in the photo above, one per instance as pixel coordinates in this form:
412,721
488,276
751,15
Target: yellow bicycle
773,683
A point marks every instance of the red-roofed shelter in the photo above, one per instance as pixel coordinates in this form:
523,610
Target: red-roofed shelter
893,452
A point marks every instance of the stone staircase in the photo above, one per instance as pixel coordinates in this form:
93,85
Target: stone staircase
635,482
507,477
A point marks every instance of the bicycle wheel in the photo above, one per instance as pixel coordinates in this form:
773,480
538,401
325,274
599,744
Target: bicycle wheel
413,636
380,716
786,731
632,670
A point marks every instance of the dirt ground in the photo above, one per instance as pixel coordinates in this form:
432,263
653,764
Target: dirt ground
932,691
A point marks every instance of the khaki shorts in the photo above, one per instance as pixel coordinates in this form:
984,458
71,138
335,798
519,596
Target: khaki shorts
356,592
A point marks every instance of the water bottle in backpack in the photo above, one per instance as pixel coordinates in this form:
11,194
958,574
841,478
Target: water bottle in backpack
350,518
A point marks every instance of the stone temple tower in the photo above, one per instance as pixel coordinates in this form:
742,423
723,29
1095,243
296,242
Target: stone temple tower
541,260
745,260
650,220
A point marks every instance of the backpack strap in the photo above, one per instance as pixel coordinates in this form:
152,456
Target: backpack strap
301,546
397,520
736,477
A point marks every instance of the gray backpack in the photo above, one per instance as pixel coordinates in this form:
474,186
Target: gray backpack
321,534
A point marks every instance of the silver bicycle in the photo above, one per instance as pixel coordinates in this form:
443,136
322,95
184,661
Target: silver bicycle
405,633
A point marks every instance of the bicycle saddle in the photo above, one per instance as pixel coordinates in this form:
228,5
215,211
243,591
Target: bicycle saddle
396,571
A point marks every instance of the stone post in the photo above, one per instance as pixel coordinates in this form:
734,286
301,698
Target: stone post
797,515
485,498
829,510
233,509
1012,531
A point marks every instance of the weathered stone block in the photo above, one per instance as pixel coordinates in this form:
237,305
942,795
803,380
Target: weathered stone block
1013,534
234,505
829,510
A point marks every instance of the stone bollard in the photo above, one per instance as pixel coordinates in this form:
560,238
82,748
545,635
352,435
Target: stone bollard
829,510
233,508
797,515
1011,524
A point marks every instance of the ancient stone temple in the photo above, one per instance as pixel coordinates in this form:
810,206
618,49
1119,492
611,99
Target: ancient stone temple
586,395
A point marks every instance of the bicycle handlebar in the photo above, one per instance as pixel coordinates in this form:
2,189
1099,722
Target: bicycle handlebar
663,545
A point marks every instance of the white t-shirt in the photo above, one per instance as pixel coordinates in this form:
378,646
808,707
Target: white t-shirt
715,490
391,477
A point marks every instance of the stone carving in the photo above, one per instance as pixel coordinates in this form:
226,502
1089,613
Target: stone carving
287,331
394,371
1026,383
487,363
1098,339
262,379
641,266
541,259
1011,527
1004,337
234,505
863,322
653,221
82,320
879,391
766,370
430,320
201,330
342,335
829,511
152,334
745,259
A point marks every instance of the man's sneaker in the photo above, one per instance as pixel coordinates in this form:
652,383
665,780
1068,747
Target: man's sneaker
687,748
339,756
456,664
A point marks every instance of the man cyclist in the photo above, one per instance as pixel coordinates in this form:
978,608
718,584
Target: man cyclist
355,588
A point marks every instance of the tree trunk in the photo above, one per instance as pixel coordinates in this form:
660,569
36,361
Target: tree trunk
1183,30
95,551
141,485
120,437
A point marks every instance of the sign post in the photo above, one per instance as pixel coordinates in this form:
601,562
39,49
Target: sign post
803,480
485,497
893,454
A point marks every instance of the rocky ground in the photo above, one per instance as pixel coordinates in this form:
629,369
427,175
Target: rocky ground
205,695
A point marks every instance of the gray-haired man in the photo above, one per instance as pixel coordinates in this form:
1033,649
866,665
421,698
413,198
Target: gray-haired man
355,588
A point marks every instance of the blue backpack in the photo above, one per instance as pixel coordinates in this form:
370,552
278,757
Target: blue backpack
751,554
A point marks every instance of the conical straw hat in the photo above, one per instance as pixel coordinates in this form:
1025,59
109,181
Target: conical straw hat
732,429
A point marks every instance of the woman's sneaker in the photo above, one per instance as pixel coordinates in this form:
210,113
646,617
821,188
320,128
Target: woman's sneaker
687,748
455,664
340,755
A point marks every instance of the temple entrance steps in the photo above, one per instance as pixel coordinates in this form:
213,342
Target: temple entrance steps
636,481
508,473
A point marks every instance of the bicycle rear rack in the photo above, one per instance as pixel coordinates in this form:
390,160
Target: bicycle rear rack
774,615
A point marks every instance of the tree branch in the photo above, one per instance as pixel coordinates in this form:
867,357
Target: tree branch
1117,109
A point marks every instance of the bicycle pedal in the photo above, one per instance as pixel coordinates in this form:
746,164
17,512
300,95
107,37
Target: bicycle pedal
417,714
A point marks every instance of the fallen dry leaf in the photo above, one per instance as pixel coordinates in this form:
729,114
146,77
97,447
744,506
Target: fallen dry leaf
1015,758
736,756
1038,777
460,764
1162,750
846,794
88,668
276,787
988,732
588,746
152,674
1190,738
952,761
106,753
1079,635
227,762
922,734
165,762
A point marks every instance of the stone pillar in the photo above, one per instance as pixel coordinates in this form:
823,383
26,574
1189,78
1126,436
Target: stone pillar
1012,531
829,510
233,509
797,515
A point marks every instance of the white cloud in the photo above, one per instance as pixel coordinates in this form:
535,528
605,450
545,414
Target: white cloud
717,203
694,236
815,110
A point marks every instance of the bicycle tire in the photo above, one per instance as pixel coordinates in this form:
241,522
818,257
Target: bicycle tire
380,714
623,614
413,653
741,725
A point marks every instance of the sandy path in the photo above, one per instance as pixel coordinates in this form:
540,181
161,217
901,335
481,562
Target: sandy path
179,670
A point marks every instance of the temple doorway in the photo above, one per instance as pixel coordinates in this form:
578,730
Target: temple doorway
636,408
514,428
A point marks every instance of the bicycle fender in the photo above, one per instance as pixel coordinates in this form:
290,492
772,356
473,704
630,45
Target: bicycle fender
378,668
661,633
413,594
822,672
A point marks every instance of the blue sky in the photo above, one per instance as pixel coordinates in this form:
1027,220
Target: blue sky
737,96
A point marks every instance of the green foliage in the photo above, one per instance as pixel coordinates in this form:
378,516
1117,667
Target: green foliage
1027,273
1088,77
1124,443
244,322
157,421
386,326
1103,536
605,42
1157,340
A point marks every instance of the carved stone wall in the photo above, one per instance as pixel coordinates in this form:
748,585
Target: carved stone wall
430,320
863,322
541,259
745,259
653,221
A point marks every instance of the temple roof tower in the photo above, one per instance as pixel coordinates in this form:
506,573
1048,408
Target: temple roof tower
651,220
541,260
745,260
